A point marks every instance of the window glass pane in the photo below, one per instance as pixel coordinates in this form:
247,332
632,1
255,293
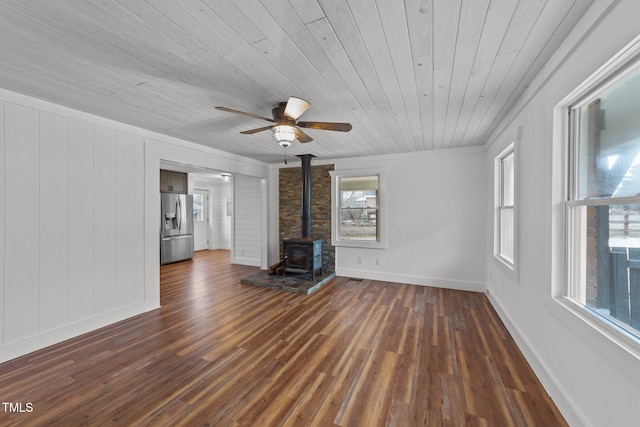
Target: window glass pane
608,134
198,205
359,208
358,199
506,233
607,262
359,183
358,224
508,180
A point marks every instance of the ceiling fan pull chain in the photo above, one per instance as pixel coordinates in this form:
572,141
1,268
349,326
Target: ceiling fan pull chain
285,155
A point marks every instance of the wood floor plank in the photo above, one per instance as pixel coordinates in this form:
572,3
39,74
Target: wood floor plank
354,353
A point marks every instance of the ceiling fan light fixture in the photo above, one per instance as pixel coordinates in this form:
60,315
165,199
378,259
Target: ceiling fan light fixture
284,134
286,126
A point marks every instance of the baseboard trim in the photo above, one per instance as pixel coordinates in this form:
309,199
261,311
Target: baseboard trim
412,280
557,393
252,262
33,343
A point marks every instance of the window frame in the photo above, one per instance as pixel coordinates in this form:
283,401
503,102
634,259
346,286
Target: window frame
203,213
381,220
499,206
616,344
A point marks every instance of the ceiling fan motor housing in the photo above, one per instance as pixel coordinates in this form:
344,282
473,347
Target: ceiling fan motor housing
278,112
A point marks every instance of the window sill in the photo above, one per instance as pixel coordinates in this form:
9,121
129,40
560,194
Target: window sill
369,244
507,268
616,346
505,262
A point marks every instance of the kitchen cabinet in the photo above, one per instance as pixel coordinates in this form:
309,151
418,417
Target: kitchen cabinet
173,182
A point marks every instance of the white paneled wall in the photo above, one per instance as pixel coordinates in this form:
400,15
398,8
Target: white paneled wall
81,238
128,220
22,222
104,211
53,193
79,203
247,220
72,246
220,221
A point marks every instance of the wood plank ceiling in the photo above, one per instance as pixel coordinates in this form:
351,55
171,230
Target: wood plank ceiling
409,75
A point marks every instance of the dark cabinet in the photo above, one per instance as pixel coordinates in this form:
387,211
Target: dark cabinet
173,182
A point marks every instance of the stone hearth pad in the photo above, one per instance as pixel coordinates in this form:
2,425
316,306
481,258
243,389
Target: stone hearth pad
299,284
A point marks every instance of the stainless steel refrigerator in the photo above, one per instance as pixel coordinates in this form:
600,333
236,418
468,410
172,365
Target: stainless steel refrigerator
176,227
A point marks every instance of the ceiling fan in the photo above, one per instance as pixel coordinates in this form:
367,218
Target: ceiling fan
286,126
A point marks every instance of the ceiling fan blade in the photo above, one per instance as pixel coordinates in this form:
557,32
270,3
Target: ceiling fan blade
250,131
255,116
342,127
295,107
302,137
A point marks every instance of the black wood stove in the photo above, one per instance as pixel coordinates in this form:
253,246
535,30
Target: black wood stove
303,255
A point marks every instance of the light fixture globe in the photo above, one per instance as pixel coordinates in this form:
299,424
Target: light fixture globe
284,134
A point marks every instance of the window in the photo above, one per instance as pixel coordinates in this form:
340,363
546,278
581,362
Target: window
505,206
357,216
358,208
603,203
198,207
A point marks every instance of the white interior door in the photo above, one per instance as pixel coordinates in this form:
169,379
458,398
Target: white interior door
200,220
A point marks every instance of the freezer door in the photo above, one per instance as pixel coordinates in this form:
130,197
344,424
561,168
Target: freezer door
169,215
176,248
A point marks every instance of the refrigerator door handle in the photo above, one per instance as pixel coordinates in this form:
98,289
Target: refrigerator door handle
179,213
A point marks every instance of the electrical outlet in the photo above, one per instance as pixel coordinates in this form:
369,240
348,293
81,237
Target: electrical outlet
378,261
359,260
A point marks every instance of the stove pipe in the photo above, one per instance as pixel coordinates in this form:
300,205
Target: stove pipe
306,194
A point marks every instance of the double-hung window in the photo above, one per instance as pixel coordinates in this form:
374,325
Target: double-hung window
504,239
603,203
358,218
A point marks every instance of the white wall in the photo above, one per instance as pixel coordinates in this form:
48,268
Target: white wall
591,380
435,221
73,220
248,221
220,221
79,245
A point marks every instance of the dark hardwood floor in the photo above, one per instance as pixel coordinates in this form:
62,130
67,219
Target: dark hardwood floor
218,353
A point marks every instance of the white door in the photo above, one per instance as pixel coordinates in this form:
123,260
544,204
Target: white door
200,220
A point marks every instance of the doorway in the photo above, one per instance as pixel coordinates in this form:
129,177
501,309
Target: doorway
201,219
214,231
